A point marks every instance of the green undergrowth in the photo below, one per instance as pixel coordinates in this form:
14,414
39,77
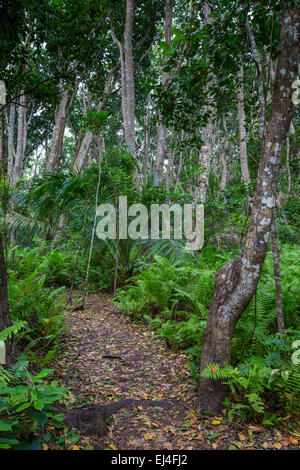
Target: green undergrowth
174,298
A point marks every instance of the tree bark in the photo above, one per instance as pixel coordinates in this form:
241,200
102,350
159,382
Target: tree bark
236,281
276,267
21,141
223,157
1,138
260,81
242,129
58,131
146,150
171,156
83,151
162,129
129,77
5,320
208,135
10,141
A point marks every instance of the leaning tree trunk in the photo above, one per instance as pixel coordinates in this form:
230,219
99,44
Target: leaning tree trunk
236,281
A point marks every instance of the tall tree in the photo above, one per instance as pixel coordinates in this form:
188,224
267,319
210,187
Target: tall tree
236,281
127,77
208,131
162,129
242,128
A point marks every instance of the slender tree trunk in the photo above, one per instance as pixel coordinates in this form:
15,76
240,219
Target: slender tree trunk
179,165
162,130
242,129
58,131
236,281
171,155
146,153
276,267
223,157
5,320
288,171
83,151
20,150
260,80
129,77
208,135
1,138
80,155
60,142
10,142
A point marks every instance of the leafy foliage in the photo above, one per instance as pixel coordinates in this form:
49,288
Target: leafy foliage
27,406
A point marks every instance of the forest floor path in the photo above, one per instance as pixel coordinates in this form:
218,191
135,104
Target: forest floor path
107,357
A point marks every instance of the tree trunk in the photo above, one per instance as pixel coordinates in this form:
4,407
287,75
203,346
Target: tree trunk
276,267
4,308
208,135
171,156
146,150
242,129
20,150
1,138
10,142
236,281
162,130
58,131
80,155
260,80
129,78
223,157
83,151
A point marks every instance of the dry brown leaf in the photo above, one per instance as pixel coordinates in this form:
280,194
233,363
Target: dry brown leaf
256,428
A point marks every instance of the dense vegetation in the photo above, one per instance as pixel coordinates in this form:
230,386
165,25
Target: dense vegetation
163,102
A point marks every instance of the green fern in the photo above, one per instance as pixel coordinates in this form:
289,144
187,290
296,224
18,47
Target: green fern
12,330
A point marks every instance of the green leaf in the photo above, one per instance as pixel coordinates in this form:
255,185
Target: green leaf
5,426
23,406
8,441
39,404
214,436
43,373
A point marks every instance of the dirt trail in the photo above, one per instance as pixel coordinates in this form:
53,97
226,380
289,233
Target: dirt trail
109,358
